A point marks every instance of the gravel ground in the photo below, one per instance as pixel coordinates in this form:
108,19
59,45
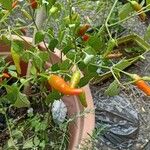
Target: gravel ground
139,101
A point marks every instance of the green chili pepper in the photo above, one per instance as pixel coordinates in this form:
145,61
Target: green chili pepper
16,59
82,98
75,79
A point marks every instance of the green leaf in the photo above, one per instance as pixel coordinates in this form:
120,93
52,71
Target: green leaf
50,32
122,65
13,73
90,51
88,58
51,2
38,62
39,37
6,4
61,35
82,65
96,42
110,46
33,70
92,68
66,49
148,3
42,144
22,101
125,11
28,144
73,56
52,44
12,93
55,8
113,89
36,141
44,56
65,65
11,67
55,67
17,134
54,95
85,80
10,144
18,47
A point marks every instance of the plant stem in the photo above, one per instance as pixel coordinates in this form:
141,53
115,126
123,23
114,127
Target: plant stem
63,138
111,69
108,17
9,129
5,16
26,89
135,14
126,73
38,22
70,9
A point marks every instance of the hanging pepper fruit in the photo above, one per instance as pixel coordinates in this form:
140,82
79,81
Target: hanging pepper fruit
59,84
5,75
114,55
85,37
110,45
16,59
23,31
82,98
33,4
137,7
81,30
75,79
14,4
141,84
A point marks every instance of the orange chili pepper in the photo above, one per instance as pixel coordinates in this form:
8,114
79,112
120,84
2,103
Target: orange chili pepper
81,31
114,55
6,75
33,4
85,37
59,84
14,4
141,84
23,31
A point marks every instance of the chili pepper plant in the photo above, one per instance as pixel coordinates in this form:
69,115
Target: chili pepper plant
32,82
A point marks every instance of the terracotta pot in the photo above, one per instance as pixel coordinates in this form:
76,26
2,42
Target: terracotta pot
83,126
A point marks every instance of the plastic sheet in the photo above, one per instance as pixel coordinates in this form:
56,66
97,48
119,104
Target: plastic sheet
121,121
